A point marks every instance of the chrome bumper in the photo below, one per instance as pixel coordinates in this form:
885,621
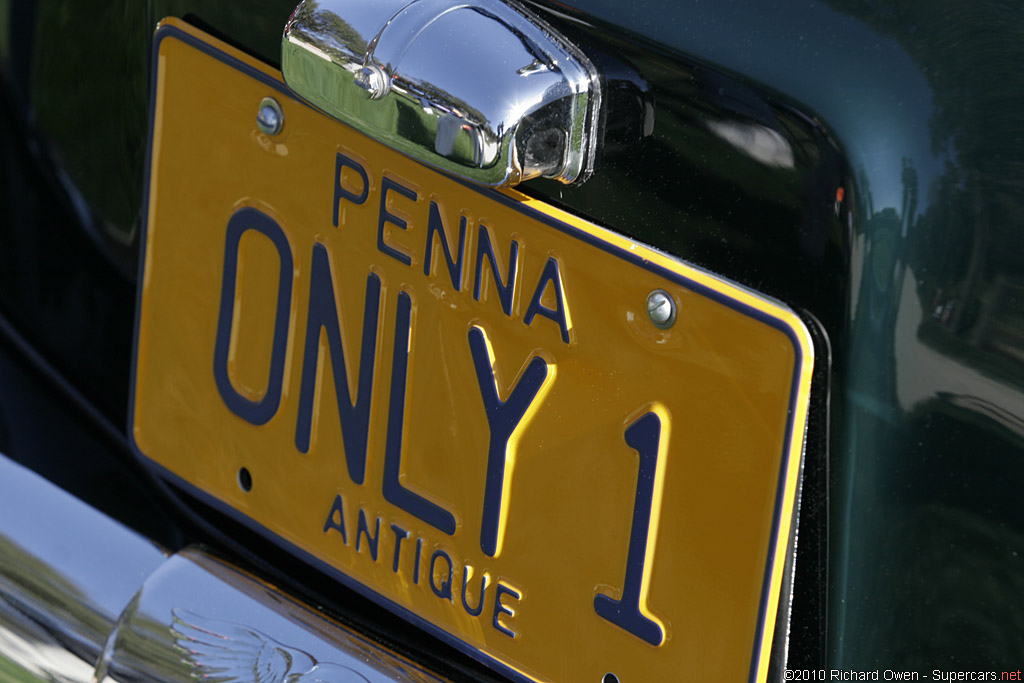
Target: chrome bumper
82,598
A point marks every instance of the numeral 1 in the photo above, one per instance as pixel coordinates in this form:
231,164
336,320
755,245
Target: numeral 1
644,435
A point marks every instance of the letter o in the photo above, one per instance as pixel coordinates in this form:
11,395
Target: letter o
256,412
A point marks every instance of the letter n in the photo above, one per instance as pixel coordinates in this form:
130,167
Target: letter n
323,316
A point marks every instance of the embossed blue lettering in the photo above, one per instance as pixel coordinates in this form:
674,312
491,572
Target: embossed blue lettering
337,510
341,192
416,563
394,491
506,290
400,535
435,226
445,589
503,417
644,435
363,529
255,412
473,611
323,315
559,314
388,185
500,590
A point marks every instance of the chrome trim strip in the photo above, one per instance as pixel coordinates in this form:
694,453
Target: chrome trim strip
198,618
83,598
66,572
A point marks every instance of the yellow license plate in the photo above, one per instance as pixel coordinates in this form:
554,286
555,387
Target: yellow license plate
453,399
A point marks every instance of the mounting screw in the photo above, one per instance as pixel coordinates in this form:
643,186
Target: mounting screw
373,80
661,309
270,118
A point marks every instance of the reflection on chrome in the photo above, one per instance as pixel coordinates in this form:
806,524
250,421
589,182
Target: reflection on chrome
231,652
84,600
27,659
66,572
199,618
758,142
482,89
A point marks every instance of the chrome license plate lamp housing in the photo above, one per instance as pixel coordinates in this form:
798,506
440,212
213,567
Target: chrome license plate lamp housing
483,90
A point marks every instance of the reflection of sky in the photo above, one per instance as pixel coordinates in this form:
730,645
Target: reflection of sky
104,560
863,85
460,51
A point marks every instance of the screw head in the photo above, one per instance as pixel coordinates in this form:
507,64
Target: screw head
270,117
661,309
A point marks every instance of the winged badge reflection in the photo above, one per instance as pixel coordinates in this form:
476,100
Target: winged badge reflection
223,652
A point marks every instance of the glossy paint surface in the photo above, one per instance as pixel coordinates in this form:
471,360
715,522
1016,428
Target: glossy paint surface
716,403
910,533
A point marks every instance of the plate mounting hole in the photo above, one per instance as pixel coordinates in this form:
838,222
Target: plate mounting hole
245,481
610,678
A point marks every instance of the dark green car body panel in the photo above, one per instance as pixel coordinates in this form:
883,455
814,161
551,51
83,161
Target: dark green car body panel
861,161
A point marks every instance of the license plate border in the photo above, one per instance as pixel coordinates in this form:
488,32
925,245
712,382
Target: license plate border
774,314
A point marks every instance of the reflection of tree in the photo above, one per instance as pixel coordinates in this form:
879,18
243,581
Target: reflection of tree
334,35
145,650
330,29
965,247
433,95
878,299
47,591
10,671
931,570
